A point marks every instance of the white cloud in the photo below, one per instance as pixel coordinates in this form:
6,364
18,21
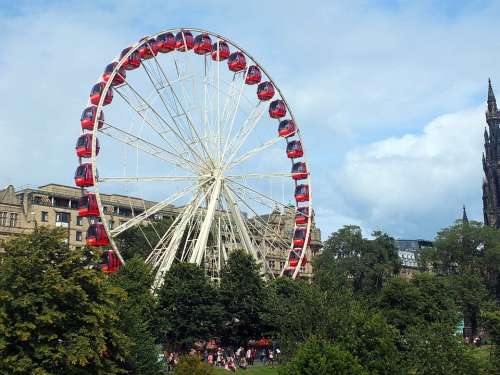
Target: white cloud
415,184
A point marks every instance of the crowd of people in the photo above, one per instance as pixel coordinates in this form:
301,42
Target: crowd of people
230,359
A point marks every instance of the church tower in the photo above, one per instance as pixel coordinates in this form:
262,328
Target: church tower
491,163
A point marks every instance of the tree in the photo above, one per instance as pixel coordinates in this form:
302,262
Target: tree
319,357
491,321
349,260
243,296
136,312
137,241
188,307
192,365
57,311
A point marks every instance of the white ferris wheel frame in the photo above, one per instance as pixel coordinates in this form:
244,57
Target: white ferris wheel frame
230,196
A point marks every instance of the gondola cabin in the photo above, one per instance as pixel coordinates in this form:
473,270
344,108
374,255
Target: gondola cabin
220,51
84,176
253,75
133,61
119,77
184,41
302,193
236,62
299,237
165,42
295,262
84,146
277,109
96,92
87,206
88,118
202,44
302,215
96,235
148,50
294,149
299,171
286,128
265,91
110,262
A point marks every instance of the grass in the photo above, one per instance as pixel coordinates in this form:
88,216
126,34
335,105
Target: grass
256,370
482,354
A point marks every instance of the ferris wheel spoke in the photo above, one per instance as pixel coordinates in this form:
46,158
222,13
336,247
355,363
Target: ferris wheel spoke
259,194
150,211
245,130
160,129
147,178
134,141
259,175
254,151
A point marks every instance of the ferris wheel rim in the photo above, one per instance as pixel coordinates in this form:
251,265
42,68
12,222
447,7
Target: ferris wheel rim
108,85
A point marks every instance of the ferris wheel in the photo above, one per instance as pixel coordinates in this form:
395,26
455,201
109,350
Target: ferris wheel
190,122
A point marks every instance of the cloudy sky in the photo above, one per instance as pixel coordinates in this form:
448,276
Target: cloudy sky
390,95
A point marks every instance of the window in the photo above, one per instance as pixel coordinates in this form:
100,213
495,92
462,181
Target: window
13,219
110,224
44,216
3,218
62,219
79,221
272,264
78,236
282,264
302,269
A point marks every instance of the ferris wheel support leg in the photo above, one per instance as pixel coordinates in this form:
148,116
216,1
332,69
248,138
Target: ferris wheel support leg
201,243
240,224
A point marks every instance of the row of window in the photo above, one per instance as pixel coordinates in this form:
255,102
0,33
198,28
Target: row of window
65,218
8,219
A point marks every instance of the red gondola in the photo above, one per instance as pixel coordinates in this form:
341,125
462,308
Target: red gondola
299,237
287,128
236,62
96,92
148,50
96,235
118,79
202,44
84,146
299,171
265,90
184,41
88,118
133,61
302,193
87,206
277,109
295,261
84,176
302,215
165,42
110,262
294,149
253,75
220,51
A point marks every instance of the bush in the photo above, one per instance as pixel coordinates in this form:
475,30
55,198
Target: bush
318,357
192,365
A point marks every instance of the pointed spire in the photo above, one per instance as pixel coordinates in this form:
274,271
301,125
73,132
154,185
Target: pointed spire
465,219
492,102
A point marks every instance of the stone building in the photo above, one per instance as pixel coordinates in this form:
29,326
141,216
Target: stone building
408,252
491,163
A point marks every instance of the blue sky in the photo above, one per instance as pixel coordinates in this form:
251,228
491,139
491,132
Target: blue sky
390,95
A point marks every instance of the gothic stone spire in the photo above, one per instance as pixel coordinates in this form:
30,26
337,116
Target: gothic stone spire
492,102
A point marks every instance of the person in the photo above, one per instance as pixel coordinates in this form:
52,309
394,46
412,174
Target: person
230,366
271,357
263,356
243,363
210,359
248,356
253,355
278,355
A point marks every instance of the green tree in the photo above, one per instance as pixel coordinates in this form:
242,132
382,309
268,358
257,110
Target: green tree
192,365
137,241
136,314
319,357
188,307
349,260
57,312
491,321
242,293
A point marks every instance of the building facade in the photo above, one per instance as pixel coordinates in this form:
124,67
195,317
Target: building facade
491,163
408,252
